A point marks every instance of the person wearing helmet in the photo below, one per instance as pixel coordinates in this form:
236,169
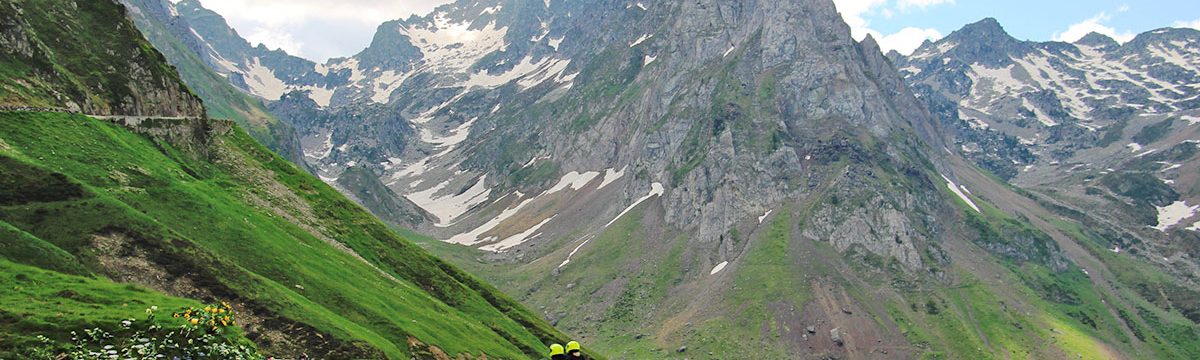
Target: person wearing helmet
574,351
557,352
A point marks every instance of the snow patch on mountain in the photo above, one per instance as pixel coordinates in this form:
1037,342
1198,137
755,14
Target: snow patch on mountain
1171,215
764,216
325,149
472,237
534,160
531,73
449,207
656,189
611,175
386,83
518,239
574,180
999,80
455,136
262,81
718,268
958,191
1038,113
641,40
319,95
451,47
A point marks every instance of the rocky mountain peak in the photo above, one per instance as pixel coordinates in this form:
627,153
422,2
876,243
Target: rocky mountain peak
1098,40
986,30
983,42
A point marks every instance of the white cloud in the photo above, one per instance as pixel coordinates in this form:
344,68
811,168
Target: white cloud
281,12
907,39
275,38
1095,24
857,14
921,4
293,24
1194,24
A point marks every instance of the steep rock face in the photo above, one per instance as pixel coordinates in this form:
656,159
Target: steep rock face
371,131
363,186
52,61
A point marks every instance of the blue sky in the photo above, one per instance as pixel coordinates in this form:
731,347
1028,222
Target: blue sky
321,29
903,24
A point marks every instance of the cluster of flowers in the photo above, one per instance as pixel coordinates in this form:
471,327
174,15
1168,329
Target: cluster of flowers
212,318
199,335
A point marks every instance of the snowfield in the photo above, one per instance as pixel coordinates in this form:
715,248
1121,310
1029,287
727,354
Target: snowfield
1171,215
450,207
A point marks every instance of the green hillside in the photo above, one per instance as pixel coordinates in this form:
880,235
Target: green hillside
200,209
104,220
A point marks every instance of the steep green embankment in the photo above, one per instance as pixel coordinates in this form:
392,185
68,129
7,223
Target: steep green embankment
211,214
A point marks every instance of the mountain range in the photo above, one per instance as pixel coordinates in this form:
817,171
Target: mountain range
740,179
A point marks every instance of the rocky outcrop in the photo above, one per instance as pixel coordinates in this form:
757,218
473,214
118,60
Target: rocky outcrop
96,67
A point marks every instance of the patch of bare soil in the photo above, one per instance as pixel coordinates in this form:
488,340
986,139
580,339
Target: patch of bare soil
834,326
124,258
424,351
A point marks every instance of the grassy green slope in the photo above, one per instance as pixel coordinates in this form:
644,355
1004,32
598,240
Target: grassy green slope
246,226
38,301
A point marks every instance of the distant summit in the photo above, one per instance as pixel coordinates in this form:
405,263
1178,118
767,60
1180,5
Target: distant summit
1097,40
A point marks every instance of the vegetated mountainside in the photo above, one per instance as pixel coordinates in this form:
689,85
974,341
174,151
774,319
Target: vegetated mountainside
170,33
175,208
1109,133
719,179
48,60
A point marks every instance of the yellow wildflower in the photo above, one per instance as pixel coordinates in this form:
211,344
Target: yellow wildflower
195,321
